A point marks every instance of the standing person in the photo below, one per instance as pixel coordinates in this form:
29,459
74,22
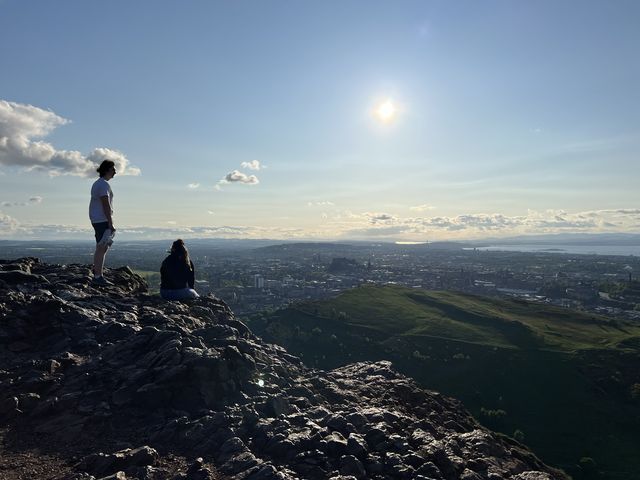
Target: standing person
177,275
100,214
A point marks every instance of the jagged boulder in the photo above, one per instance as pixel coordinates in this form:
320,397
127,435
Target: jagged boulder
115,382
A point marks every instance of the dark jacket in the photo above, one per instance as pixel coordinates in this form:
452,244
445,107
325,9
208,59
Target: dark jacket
174,274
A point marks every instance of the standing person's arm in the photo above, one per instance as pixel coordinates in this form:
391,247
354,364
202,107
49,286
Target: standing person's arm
107,211
192,276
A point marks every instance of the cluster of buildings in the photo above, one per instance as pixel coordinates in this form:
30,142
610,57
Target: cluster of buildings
256,279
585,282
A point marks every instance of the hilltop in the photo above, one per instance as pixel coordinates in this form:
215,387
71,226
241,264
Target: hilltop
116,383
562,380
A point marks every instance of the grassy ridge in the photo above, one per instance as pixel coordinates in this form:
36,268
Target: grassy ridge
474,319
560,377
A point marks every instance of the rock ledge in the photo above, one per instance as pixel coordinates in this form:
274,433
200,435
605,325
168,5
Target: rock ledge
116,383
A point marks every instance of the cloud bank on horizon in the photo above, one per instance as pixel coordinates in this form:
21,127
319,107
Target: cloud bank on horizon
347,225
21,128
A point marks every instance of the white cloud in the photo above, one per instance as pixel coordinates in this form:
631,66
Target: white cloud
8,224
172,222
193,186
238,177
422,208
21,128
211,212
121,161
252,165
480,224
377,218
320,204
34,200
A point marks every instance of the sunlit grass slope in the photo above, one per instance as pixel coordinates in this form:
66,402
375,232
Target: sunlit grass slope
469,318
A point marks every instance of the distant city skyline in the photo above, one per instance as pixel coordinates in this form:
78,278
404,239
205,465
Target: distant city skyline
365,120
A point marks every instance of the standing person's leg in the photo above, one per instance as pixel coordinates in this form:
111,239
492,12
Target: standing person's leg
101,250
98,259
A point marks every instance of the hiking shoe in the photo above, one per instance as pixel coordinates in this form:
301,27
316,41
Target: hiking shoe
103,282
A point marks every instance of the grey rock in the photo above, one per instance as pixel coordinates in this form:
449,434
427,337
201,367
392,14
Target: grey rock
115,476
532,475
239,463
470,475
233,445
101,463
357,446
336,444
350,465
264,472
16,277
430,470
9,406
28,401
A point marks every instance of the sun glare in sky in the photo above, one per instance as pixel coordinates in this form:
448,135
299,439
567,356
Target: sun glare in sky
386,111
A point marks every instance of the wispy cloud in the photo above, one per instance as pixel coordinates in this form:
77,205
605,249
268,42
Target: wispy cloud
193,186
380,218
21,128
35,200
252,165
320,204
422,208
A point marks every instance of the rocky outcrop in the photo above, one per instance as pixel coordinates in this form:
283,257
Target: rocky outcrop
115,383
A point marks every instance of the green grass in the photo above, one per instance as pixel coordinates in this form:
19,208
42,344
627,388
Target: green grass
152,278
474,319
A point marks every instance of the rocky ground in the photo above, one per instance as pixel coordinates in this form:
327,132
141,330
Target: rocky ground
115,383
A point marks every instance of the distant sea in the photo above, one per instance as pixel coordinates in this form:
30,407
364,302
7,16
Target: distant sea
573,249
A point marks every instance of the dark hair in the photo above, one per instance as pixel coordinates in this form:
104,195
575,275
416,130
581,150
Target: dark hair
105,166
178,248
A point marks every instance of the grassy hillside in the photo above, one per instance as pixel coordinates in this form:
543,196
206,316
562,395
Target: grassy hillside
559,379
471,318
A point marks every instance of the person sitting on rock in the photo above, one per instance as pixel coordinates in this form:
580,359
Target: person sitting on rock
177,275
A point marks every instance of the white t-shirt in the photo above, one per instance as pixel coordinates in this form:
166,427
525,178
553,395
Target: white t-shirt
100,188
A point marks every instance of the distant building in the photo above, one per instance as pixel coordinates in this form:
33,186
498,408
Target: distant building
258,281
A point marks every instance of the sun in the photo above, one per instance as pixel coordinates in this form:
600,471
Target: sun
386,111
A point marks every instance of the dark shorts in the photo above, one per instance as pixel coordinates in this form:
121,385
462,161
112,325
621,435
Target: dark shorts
100,228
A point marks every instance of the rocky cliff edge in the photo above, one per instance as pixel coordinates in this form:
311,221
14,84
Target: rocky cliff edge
113,382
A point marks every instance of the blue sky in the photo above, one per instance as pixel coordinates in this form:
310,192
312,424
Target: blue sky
510,117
